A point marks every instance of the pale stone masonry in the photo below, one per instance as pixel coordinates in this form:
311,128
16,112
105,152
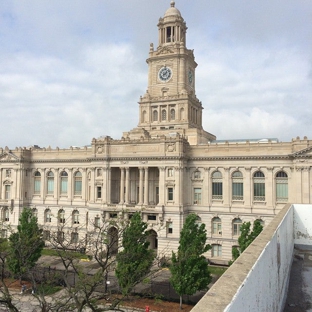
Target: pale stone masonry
167,167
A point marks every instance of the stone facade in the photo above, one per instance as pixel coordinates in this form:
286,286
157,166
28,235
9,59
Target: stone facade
166,168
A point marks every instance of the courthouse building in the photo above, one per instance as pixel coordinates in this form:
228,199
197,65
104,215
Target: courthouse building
166,167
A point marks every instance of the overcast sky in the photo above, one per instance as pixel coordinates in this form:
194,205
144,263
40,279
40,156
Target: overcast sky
74,70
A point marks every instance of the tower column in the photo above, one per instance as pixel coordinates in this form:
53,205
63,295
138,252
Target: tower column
141,170
146,201
122,185
127,185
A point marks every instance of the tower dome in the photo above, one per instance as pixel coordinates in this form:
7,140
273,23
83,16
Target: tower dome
172,11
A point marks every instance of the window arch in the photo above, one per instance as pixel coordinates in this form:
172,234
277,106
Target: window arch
155,115
64,182
217,185
5,214
75,217
259,186
50,182
78,183
237,186
61,216
172,114
281,183
216,226
236,226
144,115
163,114
37,182
47,215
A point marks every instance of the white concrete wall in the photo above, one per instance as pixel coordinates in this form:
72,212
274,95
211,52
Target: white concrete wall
258,279
303,224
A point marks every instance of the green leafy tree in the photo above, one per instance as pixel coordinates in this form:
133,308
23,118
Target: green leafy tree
189,268
25,245
135,260
246,238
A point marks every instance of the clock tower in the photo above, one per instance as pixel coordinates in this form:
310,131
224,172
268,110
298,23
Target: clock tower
170,105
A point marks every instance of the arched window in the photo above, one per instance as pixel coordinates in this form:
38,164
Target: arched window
217,185
50,182
281,181
155,115
144,116
78,183
61,216
75,217
47,215
237,223
259,186
237,186
172,114
163,115
216,250
216,226
5,214
37,182
64,182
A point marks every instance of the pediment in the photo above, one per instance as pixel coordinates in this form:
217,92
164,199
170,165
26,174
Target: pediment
306,152
164,50
8,156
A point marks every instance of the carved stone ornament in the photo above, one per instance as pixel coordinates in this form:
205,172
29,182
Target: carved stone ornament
171,147
100,149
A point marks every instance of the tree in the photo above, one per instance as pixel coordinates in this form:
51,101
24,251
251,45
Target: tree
246,238
135,260
189,267
25,245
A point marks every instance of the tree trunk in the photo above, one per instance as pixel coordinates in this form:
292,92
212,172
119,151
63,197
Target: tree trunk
180,302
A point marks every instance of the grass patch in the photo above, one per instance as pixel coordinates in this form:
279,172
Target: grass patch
216,270
56,253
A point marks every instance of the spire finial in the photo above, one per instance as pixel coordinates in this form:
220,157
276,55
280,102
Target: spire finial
172,3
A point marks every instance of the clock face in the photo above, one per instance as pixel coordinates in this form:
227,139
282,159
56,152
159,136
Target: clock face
165,73
190,76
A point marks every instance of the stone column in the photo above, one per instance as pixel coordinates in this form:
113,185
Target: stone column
84,180
226,188
122,186
247,187
1,171
141,186
127,185
109,185
162,187
70,188
146,200
305,185
269,195
105,185
56,191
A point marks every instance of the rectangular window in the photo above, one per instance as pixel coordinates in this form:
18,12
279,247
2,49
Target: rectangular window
50,185
217,228
170,193
217,190
236,229
151,218
97,222
259,191
237,191
216,251
46,235
169,228
74,238
78,187
37,185
98,192
7,192
197,196
282,191
113,215
63,185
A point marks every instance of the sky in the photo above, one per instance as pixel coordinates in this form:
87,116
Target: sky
74,70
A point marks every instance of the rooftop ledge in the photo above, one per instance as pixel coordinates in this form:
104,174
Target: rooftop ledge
258,280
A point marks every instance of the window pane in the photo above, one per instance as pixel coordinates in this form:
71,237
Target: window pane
50,185
63,185
37,186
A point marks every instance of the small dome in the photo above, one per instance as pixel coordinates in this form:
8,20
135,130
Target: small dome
172,11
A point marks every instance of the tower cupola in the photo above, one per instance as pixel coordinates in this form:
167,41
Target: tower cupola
172,28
